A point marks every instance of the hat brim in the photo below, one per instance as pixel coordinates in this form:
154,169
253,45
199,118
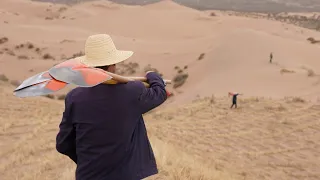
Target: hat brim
115,58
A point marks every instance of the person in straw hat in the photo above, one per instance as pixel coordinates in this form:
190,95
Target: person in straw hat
102,129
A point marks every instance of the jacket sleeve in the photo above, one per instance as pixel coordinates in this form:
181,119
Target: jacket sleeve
65,140
152,97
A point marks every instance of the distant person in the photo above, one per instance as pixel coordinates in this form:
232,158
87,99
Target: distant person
271,57
234,99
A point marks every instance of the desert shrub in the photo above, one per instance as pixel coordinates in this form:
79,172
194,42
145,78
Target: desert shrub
23,57
50,96
176,67
78,54
61,97
298,99
30,46
201,56
47,56
294,100
10,52
213,14
62,9
3,78
180,71
149,68
312,40
127,68
310,73
280,107
286,71
185,67
48,18
179,79
3,40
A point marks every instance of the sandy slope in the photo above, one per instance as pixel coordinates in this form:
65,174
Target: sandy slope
236,49
166,35
263,139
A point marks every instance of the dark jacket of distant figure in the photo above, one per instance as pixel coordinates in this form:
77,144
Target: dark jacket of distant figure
234,98
103,131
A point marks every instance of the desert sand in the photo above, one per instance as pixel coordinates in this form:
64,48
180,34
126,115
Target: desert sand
274,134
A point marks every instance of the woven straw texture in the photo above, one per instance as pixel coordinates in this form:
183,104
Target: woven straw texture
101,51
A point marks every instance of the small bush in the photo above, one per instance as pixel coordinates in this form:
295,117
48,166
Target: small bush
47,56
149,68
30,46
179,79
201,56
50,96
286,71
313,41
23,57
185,67
311,73
3,40
78,54
10,52
298,100
61,97
294,100
3,78
280,107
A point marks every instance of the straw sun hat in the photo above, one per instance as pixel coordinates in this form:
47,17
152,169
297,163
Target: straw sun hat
101,51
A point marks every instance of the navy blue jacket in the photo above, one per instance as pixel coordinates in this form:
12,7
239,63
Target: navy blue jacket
103,131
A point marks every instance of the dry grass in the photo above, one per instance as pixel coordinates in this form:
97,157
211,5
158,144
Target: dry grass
262,139
48,56
3,40
180,79
3,78
201,56
310,72
313,41
311,22
282,71
61,97
177,165
129,68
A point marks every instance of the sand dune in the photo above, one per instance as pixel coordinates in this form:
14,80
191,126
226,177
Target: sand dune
220,53
178,36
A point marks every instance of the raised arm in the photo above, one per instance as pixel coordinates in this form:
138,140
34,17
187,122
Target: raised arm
152,97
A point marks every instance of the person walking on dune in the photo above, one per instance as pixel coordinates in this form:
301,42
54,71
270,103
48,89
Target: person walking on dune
234,99
271,57
102,128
